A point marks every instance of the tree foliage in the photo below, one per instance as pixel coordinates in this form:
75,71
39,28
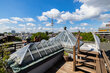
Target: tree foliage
17,39
42,35
4,55
89,37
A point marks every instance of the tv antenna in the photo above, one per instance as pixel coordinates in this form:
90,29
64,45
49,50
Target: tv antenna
52,25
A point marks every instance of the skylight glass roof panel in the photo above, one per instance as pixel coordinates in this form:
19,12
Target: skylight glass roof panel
43,53
27,58
36,56
66,38
39,46
32,47
49,43
56,44
48,51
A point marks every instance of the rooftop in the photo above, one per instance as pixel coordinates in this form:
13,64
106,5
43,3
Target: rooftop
38,51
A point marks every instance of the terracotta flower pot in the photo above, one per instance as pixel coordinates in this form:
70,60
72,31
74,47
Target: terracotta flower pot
66,58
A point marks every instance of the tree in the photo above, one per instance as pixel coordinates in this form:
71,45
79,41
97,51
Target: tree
89,37
41,34
17,39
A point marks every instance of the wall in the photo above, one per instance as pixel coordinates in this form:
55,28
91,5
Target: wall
45,66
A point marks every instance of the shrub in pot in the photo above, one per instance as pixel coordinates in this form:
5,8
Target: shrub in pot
66,56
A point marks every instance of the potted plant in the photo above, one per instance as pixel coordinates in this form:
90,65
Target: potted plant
66,56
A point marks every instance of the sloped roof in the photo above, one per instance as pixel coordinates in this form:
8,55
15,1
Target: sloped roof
67,39
36,51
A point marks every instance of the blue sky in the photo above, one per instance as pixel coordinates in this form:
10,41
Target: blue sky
36,15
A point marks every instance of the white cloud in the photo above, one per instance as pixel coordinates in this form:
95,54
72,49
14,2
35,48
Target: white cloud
22,25
104,17
84,24
85,12
29,19
97,7
42,18
14,22
103,24
89,9
30,24
22,19
5,28
43,29
40,28
71,22
17,19
91,29
67,16
47,29
60,20
5,20
52,13
75,29
48,24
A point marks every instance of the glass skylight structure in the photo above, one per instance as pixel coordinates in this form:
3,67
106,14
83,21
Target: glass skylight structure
67,39
38,51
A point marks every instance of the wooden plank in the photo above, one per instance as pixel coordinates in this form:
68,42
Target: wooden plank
80,60
90,63
84,61
79,72
106,60
78,41
91,52
98,69
87,69
103,68
74,58
89,57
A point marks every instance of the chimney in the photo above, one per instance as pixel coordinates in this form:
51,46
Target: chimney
65,28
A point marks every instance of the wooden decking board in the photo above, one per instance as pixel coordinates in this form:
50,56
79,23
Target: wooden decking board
84,61
98,69
67,67
80,60
89,57
90,63
87,69
103,68
78,72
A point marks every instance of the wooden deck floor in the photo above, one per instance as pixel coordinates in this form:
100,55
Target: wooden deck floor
62,67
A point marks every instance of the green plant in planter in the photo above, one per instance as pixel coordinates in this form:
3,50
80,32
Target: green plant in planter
65,53
66,56
4,55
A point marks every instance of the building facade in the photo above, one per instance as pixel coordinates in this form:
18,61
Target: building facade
105,29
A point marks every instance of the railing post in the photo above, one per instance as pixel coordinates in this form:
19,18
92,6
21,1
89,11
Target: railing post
79,42
78,45
74,58
106,60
